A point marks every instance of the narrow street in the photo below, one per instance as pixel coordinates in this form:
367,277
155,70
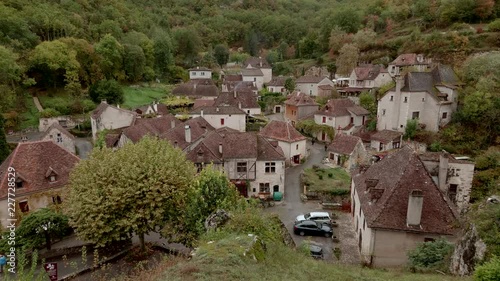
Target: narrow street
83,146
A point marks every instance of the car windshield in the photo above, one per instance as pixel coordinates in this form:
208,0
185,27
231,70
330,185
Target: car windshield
307,216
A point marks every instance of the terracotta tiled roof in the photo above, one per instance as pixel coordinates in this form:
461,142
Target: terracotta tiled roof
111,139
282,131
217,110
257,62
235,98
32,161
150,126
386,136
339,107
60,128
197,88
390,182
344,144
406,59
240,86
198,127
310,79
367,72
299,99
203,102
233,78
325,87
278,81
251,72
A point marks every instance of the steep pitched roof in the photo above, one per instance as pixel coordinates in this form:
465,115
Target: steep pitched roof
309,79
103,106
367,72
203,102
444,75
342,107
177,136
278,81
257,62
150,126
58,127
247,86
197,88
344,144
251,72
384,189
407,59
434,157
247,99
298,98
282,131
233,78
32,161
217,110
386,136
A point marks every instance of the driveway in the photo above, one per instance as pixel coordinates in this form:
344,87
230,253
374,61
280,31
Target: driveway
293,206
84,147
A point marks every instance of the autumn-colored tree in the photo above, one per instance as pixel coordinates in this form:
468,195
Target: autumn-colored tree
347,59
134,190
484,8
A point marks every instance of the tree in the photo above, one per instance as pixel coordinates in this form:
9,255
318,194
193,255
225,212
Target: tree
368,102
347,19
4,148
187,45
109,90
10,71
430,254
364,38
488,271
42,227
289,84
347,59
134,62
484,8
134,190
332,68
252,43
163,53
411,128
221,54
111,57
338,37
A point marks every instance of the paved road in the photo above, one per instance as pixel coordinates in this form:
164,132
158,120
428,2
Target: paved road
84,147
276,116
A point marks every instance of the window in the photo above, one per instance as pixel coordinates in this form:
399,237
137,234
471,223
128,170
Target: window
23,205
383,111
56,199
241,167
452,192
52,178
392,98
310,92
254,79
324,119
364,224
445,115
297,147
406,99
203,73
19,183
270,167
264,187
248,111
276,188
352,120
428,239
423,99
415,115
59,137
222,121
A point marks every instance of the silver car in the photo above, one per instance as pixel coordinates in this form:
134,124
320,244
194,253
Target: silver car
322,217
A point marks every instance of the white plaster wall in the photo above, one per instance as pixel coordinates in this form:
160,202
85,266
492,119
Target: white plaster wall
200,74
381,80
268,74
259,81
110,119
252,111
273,179
233,121
276,89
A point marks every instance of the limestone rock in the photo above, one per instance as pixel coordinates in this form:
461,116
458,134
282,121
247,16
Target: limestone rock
217,219
469,250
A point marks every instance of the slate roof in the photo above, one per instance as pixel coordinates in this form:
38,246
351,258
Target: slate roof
282,131
247,86
217,110
342,107
150,126
177,136
385,204
197,88
344,144
407,59
309,79
251,72
444,75
32,161
203,102
368,72
386,136
298,98
247,99
257,62
278,81
58,127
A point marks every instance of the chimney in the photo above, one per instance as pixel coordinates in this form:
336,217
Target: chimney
234,93
400,83
201,113
172,124
194,86
239,104
415,204
220,147
104,101
155,106
187,133
216,109
443,170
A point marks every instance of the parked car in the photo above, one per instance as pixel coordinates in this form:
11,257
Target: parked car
316,252
322,217
312,228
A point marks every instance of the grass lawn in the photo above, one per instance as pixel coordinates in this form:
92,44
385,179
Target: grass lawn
138,95
29,118
318,179
53,97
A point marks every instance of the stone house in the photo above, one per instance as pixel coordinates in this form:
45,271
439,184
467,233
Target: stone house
156,109
386,140
254,75
255,165
409,62
298,106
42,170
263,65
197,89
67,122
453,176
292,143
245,100
396,206
60,136
277,85
309,84
200,73
341,114
431,97
188,134
365,78
239,86
347,151
222,116
109,117
147,126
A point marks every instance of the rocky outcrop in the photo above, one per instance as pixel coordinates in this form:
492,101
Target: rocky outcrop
217,219
469,250
318,71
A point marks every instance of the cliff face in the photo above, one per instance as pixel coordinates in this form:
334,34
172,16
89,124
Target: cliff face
469,250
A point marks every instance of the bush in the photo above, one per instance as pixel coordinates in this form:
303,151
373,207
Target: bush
436,147
49,112
109,90
494,25
489,271
430,255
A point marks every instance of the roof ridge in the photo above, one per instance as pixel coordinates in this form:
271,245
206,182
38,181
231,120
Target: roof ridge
13,153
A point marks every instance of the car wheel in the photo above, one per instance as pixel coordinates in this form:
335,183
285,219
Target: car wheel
301,233
327,235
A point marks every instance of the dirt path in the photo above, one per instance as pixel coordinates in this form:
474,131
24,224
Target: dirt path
37,104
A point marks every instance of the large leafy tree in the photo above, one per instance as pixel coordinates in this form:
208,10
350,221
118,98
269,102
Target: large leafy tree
111,57
347,59
109,90
163,51
134,190
134,62
221,54
42,227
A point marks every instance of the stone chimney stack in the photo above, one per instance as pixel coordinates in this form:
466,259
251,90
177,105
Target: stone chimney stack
239,105
220,147
443,171
172,124
201,113
234,93
104,101
187,133
415,204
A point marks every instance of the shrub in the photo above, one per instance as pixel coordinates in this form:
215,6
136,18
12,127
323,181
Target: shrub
109,90
49,112
430,255
436,146
494,25
489,271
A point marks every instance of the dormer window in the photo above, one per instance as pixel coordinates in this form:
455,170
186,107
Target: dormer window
52,178
19,183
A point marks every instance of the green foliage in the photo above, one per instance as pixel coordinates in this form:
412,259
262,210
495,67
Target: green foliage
221,53
187,45
436,147
430,255
163,53
109,90
49,112
368,102
347,59
269,100
411,128
134,62
371,125
494,25
489,271
4,148
364,38
135,189
310,128
485,217
238,57
348,20
490,159
111,53
319,180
